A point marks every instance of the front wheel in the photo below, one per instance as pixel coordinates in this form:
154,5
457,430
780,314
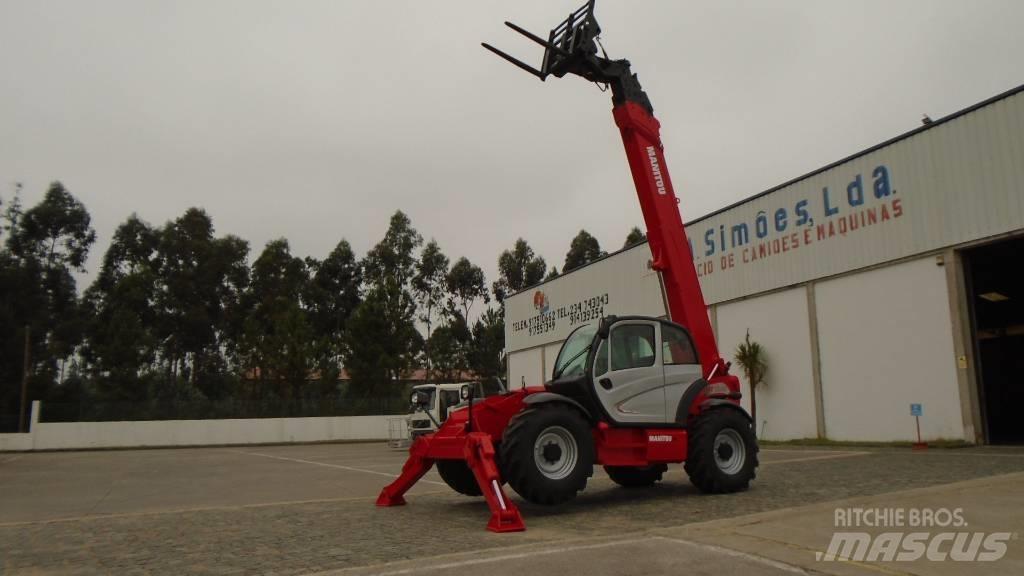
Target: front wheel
457,475
722,455
547,454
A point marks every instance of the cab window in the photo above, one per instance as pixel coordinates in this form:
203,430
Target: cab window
449,398
676,346
572,358
632,346
601,359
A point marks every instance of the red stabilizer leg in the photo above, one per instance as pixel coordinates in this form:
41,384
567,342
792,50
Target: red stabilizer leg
479,453
415,467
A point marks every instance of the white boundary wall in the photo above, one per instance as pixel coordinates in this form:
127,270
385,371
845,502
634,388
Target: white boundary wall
79,435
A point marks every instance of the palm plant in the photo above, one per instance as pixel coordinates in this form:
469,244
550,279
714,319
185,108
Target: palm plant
751,358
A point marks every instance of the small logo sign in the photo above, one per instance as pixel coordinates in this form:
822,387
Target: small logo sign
659,181
910,535
916,410
540,302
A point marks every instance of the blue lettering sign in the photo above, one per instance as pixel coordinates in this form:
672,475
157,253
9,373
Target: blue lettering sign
855,191
780,220
829,210
761,224
882,187
709,241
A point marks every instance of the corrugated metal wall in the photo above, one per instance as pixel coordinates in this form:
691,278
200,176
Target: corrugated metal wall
956,182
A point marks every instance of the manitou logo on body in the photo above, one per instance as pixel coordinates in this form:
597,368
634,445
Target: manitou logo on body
652,155
659,438
953,543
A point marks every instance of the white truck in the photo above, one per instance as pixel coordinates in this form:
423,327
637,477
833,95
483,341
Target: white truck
430,404
424,418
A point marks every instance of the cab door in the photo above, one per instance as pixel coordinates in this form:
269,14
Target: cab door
682,369
629,379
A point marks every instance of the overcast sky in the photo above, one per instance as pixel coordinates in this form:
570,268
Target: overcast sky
316,120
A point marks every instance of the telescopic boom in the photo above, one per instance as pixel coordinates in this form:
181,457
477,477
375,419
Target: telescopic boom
572,48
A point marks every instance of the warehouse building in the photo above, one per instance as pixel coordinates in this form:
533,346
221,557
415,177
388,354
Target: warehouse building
885,283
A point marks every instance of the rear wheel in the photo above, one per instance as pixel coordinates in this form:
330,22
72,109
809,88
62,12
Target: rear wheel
722,455
547,454
459,477
636,476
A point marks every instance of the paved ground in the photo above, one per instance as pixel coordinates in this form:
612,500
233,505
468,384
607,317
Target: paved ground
309,509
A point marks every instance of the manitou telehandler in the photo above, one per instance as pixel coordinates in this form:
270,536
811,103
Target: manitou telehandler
631,393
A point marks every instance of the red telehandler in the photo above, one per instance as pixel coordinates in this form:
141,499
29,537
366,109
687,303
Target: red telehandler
631,393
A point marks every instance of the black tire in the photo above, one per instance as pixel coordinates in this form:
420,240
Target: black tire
456,473
554,425
718,473
636,476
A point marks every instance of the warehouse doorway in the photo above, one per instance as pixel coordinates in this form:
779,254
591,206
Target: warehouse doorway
995,289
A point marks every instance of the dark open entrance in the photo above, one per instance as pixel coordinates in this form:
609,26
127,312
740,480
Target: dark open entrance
995,292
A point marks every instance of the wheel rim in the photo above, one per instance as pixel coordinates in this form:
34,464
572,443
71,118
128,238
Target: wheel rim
555,452
730,451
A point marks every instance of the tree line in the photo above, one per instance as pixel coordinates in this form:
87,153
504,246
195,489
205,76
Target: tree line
176,312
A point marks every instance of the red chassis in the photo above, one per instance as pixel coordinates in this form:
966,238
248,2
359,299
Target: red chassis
614,447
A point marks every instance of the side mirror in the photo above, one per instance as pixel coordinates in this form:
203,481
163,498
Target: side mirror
464,393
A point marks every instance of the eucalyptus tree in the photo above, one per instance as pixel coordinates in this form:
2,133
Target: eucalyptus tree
466,284
584,249
485,356
202,279
334,293
429,286
381,342
635,236
278,337
45,245
121,339
518,268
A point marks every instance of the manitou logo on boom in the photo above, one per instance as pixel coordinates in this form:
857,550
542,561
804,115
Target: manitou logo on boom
659,438
652,155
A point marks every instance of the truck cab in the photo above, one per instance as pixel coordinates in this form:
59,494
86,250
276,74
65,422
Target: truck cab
424,417
631,370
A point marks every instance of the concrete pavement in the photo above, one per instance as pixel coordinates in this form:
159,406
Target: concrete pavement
308,509
787,541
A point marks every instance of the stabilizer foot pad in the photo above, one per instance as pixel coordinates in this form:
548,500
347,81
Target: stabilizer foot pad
510,521
386,499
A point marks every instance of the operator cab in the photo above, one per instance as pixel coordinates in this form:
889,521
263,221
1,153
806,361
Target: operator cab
629,370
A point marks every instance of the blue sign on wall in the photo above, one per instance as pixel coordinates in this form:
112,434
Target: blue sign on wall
916,410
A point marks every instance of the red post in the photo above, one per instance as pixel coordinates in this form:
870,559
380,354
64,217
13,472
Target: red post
919,445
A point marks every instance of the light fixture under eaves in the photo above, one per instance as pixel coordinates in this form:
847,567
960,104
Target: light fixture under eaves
994,297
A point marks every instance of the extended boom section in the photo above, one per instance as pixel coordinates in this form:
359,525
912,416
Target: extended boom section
666,236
